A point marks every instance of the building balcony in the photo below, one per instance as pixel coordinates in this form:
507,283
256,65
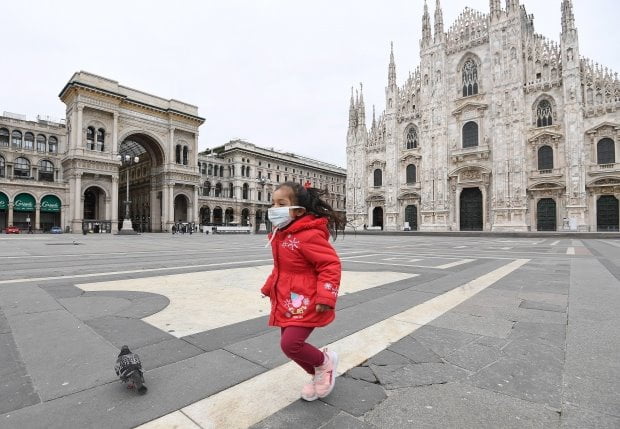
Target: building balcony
551,173
470,154
602,169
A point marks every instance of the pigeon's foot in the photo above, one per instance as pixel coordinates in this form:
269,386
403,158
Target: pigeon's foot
142,390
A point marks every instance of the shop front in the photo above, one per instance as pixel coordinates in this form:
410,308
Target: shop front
4,211
24,212
50,212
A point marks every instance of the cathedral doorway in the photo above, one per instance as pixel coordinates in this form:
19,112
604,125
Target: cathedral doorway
411,217
377,217
546,217
471,209
180,208
607,216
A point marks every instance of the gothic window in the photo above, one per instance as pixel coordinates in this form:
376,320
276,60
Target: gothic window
243,170
470,78
605,151
185,151
378,178
100,139
17,139
544,114
207,188
221,171
41,143
247,171
210,169
545,158
246,191
52,145
178,154
29,141
231,191
46,170
470,134
21,168
218,190
411,174
412,138
90,138
2,167
4,137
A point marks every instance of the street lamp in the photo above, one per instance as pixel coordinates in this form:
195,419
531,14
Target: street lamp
127,161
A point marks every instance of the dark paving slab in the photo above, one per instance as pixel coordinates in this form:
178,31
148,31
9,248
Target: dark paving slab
414,350
165,353
346,421
16,389
143,307
456,405
579,418
121,331
61,289
535,305
550,333
387,357
474,356
418,374
221,337
442,341
113,406
362,373
93,307
355,397
18,299
299,414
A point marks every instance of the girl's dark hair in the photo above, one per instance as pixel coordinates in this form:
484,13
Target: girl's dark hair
310,199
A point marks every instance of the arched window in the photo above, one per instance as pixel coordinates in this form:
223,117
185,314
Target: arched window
100,139
221,171
218,190
545,158
231,191
411,173
412,138
185,151
247,171
470,134
377,178
4,137
46,170
210,169
243,170
90,138
41,143
178,154
29,141
17,139
21,168
246,191
470,78
605,151
52,145
544,116
207,188
2,167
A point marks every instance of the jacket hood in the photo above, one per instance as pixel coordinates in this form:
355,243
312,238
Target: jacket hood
308,221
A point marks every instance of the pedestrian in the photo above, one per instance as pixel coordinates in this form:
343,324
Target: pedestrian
303,285
174,229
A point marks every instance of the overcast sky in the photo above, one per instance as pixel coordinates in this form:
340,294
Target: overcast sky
277,73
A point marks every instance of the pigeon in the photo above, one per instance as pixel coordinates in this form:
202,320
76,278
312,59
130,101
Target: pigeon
129,369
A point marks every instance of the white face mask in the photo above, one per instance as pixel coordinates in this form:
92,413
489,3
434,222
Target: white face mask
280,216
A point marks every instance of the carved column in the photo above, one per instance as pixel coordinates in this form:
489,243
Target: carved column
165,196
10,214
37,217
79,132
114,214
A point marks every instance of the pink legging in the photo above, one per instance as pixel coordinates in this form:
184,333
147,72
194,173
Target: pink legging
293,343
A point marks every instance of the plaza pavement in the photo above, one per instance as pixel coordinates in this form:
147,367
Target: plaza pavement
433,331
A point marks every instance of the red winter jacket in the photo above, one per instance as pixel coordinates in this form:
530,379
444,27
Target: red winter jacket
306,272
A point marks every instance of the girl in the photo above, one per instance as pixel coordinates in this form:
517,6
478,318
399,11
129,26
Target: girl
303,285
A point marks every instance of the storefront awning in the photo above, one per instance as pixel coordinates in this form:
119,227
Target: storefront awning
50,204
4,202
24,203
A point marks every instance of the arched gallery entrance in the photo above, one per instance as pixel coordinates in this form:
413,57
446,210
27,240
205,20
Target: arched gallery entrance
546,215
470,209
377,217
218,216
145,204
181,205
607,216
205,216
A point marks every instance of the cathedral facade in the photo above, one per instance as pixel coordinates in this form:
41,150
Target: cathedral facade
497,129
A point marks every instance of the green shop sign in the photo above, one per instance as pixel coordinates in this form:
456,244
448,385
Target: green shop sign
23,203
50,204
4,202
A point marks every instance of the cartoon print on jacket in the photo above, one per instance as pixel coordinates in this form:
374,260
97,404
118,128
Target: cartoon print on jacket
306,272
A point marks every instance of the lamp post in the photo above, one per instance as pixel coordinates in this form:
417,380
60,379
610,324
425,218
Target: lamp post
127,161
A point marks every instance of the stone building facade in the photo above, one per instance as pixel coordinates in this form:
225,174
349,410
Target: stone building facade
497,129
238,179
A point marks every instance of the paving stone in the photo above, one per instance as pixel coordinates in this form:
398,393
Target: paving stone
16,391
346,421
534,352
87,307
492,342
478,325
474,356
539,316
299,414
24,299
62,290
221,337
5,328
143,307
549,333
419,374
538,382
442,341
387,357
414,350
362,373
548,298
127,331
165,353
579,418
455,405
354,396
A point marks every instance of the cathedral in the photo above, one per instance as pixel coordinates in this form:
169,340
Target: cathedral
497,129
